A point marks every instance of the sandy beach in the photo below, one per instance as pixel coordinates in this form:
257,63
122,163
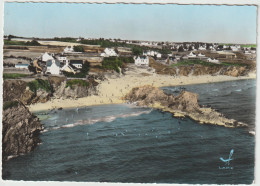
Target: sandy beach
112,90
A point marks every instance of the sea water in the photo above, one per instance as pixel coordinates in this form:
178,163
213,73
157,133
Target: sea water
124,143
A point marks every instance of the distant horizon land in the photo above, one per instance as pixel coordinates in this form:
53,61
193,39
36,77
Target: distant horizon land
26,37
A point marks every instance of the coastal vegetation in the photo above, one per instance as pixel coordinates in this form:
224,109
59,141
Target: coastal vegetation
204,63
112,63
14,75
39,84
78,82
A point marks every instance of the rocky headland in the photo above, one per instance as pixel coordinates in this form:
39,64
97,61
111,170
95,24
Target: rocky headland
185,104
21,129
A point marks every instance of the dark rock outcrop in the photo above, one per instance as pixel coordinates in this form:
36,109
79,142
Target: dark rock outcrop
13,89
21,130
185,104
18,90
76,91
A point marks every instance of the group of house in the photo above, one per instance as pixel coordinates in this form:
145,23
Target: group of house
53,64
56,64
152,53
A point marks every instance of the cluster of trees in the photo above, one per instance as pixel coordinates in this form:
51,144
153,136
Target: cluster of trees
78,48
28,43
32,43
65,39
112,63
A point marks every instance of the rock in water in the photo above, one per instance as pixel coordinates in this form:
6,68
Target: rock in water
185,104
21,130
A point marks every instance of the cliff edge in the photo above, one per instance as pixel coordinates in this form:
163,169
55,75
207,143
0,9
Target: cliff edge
21,129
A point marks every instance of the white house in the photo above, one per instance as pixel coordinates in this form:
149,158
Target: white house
158,55
247,52
68,68
109,52
201,55
191,55
213,60
53,67
68,49
46,57
77,63
21,66
141,61
62,59
202,48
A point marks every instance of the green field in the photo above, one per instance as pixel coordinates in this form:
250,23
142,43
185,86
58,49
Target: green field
14,76
246,45
254,46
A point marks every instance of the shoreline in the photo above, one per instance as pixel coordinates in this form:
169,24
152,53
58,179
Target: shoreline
112,90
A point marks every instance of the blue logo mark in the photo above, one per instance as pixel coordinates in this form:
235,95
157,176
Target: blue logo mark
227,161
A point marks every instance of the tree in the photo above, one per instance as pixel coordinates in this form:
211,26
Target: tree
180,49
190,48
78,48
10,37
137,50
33,43
31,68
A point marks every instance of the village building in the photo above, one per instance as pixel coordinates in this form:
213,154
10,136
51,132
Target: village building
45,57
76,63
53,66
191,55
68,49
226,55
62,59
247,52
213,61
171,60
201,55
109,52
21,66
202,48
141,61
158,55
68,68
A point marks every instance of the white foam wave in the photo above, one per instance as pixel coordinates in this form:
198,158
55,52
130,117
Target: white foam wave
252,132
96,120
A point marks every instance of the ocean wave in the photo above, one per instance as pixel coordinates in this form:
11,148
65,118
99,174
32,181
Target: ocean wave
96,120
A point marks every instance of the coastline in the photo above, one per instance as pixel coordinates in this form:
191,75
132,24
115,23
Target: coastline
112,90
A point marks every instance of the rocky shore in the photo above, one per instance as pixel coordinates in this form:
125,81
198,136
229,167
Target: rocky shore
21,130
185,104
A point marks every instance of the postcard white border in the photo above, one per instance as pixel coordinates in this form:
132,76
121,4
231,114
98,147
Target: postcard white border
183,2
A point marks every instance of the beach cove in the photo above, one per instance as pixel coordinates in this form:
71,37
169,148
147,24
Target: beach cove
113,89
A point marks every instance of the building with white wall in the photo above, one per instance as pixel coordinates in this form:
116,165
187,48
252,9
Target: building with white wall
109,52
53,67
46,57
141,61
